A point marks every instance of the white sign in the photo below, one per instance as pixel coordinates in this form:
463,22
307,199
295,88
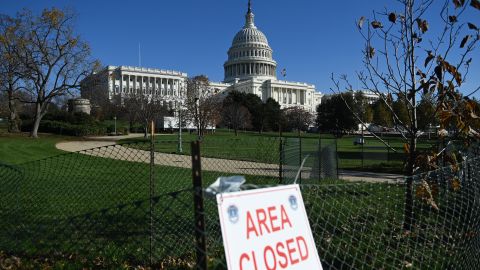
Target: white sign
267,229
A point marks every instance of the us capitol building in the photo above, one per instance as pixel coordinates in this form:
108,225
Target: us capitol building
250,68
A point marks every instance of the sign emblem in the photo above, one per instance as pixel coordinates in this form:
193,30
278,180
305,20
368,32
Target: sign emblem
293,202
232,214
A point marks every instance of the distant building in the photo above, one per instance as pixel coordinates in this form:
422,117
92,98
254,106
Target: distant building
115,83
79,105
370,96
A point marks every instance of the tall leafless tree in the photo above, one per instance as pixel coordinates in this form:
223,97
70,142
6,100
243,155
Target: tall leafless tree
54,58
203,106
146,108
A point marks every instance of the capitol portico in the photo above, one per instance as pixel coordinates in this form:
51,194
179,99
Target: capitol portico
249,68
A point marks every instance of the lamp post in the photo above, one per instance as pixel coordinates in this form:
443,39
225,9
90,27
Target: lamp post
197,116
179,147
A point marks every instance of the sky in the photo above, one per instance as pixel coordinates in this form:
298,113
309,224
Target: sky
311,39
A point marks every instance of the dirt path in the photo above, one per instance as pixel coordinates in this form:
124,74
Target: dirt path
109,149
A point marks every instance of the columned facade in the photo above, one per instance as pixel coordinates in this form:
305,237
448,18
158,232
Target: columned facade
124,81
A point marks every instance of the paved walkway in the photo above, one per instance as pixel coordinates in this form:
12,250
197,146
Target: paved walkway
118,138
182,161
120,152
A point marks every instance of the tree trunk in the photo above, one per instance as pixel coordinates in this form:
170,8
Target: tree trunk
236,132
408,213
13,119
36,121
409,221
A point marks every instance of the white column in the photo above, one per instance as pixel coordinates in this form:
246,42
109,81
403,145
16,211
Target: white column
167,90
161,86
134,83
128,84
176,88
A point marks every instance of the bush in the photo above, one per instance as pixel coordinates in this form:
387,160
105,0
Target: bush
63,128
120,130
77,118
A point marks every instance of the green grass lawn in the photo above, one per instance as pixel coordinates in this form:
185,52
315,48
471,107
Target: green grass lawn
19,148
75,203
373,156
80,210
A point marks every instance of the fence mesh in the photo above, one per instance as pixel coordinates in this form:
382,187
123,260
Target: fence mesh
308,160
10,178
131,205
361,225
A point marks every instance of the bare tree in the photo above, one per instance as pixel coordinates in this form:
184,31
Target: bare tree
10,68
131,111
203,107
236,117
234,114
403,60
146,108
53,56
298,118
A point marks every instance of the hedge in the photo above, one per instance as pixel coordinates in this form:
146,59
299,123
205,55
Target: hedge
63,128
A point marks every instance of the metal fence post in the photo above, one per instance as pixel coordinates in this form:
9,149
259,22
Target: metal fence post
363,150
199,210
152,185
300,159
336,153
319,158
280,165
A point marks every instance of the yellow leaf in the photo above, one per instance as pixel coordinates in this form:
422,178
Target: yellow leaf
456,184
444,115
427,192
406,148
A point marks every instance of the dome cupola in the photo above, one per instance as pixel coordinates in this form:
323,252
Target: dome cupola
250,55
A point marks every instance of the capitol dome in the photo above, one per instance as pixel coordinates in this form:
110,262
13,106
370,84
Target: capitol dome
250,56
249,35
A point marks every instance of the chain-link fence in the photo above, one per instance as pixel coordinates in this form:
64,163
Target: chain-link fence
362,225
308,160
143,204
